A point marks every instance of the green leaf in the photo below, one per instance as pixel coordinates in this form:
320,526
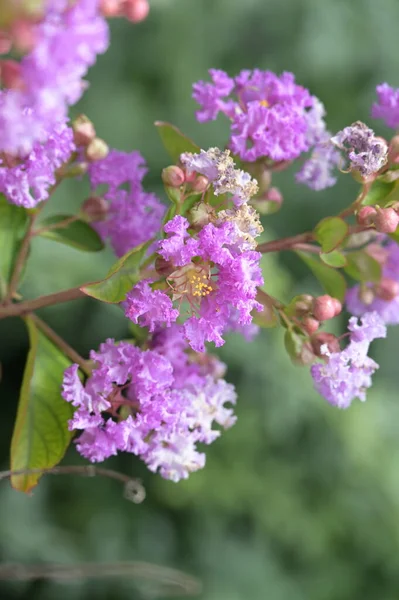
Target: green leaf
381,193
331,280
363,267
13,225
120,278
335,259
330,233
78,234
41,434
175,141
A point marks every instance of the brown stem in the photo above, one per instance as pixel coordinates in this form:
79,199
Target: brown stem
22,308
134,490
286,243
62,344
352,208
60,225
20,260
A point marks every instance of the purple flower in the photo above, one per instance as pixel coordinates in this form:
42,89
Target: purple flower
173,397
149,307
68,40
28,182
388,310
347,374
317,171
134,216
365,152
270,116
387,106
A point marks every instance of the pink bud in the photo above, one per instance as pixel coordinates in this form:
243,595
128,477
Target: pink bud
379,253
200,184
173,176
10,74
96,150
83,131
337,305
303,304
111,8
386,220
95,208
5,43
324,338
366,215
311,325
23,34
136,10
190,176
387,289
273,194
324,308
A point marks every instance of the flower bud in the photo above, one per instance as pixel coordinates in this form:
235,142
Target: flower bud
190,176
173,176
325,307
200,184
10,74
387,289
83,131
23,34
324,338
386,220
310,325
136,10
378,252
95,208
5,43
306,355
366,215
163,267
366,295
338,306
201,214
303,304
96,150
111,8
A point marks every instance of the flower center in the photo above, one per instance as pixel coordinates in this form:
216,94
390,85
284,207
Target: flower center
191,281
264,103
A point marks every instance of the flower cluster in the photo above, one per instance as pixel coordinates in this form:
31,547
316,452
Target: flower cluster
346,375
133,216
67,41
157,404
216,269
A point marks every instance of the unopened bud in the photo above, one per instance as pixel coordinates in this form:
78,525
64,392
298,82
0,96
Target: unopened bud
306,355
387,289
310,325
173,176
269,203
325,307
10,75
111,8
83,131
338,306
95,208
190,176
386,220
96,150
5,43
23,34
327,339
303,304
366,215
200,184
136,10
378,252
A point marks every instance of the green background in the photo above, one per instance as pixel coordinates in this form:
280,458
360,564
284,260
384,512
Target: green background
299,501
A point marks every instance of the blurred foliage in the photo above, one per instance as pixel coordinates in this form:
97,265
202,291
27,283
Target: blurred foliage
298,501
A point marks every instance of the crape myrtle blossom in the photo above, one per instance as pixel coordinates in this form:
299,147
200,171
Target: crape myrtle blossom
387,105
134,216
346,375
270,116
27,181
365,152
67,42
171,401
371,297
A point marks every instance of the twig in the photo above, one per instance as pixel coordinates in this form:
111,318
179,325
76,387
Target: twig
62,344
179,582
20,260
22,308
286,243
134,490
60,225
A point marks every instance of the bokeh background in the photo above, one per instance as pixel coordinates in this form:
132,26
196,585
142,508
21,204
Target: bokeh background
299,501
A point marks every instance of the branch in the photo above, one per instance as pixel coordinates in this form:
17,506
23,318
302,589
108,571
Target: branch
134,490
22,308
21,259
287,243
